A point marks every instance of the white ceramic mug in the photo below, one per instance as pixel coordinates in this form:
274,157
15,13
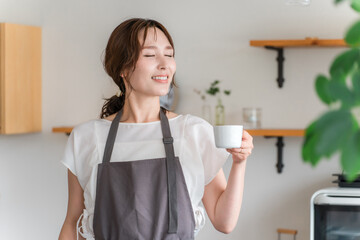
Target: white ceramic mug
228,136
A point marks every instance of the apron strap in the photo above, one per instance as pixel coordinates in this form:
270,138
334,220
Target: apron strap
111,138
171,173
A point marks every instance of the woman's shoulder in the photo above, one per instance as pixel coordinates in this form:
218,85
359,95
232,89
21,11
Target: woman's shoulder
110,117
187,119
195,125
197,121
87,128
171,115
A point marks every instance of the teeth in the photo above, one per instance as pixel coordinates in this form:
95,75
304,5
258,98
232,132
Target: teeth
159,78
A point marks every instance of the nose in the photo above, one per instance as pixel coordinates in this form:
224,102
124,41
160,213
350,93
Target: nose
163,62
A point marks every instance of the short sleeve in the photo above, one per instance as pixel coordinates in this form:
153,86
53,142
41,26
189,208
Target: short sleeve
212,158
81,153
68,158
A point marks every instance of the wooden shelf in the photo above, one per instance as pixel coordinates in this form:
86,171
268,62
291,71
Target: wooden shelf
276,132
279,45
66,130
279,134
307,42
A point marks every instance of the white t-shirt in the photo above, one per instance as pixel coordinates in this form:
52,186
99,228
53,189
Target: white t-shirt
193,144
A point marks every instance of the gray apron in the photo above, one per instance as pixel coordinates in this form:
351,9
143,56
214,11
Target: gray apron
142,200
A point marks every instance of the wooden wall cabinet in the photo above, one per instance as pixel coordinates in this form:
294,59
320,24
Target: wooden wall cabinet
20,79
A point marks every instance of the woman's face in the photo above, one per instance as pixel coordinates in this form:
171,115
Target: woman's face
155,67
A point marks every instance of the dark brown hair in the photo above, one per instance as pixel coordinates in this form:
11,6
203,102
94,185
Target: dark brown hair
121,54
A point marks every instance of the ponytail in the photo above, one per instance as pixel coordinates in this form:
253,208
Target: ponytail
112,105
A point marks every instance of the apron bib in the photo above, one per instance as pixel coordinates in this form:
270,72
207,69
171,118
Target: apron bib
145,199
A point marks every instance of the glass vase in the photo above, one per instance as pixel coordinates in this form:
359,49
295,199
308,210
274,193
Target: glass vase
219,113
206,112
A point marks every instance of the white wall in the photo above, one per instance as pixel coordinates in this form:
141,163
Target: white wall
212,41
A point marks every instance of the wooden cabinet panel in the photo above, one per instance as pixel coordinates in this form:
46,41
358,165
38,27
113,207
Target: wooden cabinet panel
20,79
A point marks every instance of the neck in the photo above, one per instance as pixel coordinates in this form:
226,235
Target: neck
141,110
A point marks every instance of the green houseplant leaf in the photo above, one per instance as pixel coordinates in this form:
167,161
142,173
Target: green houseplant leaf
322,89
326,135
356,86
339,91
338,130
350,156
355,4
338,1
352,37
308,150
227,92
345,62
335,125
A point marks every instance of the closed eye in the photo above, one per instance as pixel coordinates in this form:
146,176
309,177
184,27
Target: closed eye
149,55
169,55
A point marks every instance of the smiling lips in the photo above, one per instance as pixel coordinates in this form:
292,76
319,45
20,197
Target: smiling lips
161,78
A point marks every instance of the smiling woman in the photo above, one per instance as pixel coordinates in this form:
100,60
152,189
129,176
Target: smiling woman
141,171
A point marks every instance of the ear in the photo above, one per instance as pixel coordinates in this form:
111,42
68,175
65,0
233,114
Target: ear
124,74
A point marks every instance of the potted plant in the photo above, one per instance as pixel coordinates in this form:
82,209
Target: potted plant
214,90
337,130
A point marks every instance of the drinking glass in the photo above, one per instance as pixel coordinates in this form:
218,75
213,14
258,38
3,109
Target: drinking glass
252,118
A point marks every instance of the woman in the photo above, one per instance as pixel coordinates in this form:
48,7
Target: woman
163,165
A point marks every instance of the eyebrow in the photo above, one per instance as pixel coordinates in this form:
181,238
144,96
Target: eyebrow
154,47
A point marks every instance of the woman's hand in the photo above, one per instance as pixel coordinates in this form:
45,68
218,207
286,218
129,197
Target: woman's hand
242,153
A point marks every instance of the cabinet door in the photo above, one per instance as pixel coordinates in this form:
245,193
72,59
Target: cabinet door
20,78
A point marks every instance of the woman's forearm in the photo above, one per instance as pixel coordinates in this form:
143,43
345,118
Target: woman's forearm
229,203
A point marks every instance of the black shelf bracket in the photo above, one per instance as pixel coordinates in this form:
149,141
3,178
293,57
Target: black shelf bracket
279,144
280,59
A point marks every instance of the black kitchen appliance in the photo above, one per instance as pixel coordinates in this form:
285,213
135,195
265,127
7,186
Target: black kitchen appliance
335,212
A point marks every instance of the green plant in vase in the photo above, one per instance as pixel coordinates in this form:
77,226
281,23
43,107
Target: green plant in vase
337,130
214,90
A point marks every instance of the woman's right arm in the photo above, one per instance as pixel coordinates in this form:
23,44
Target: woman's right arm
75,208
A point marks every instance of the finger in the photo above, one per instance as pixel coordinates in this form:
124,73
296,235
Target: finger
246,135
234,150
246,151
247,144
